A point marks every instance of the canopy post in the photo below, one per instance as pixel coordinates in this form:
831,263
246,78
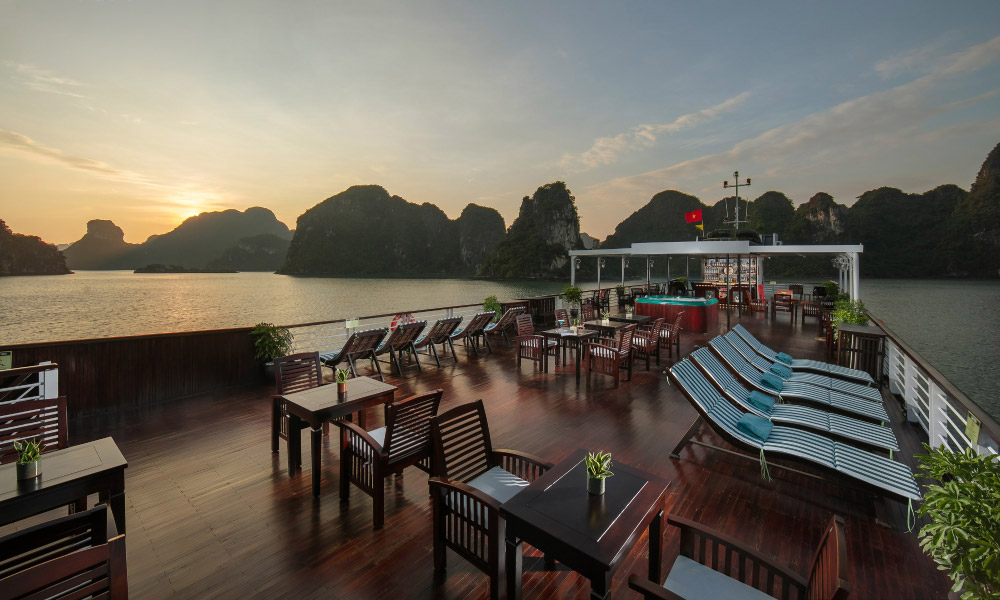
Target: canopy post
729,293
623,271
855,277
572,270
739,283
599,261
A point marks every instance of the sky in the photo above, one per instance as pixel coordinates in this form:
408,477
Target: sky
147,112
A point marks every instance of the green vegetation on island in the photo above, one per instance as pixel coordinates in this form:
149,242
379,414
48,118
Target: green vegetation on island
28,255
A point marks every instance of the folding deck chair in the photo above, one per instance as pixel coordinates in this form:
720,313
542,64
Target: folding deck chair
474,330
830,383
439,334
804,392
801,364
886,476
360,344
846,428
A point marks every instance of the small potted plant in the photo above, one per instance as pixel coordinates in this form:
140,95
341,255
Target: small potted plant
628,310
598,469
270,342
342,375
29,452
606,318
576,324
573,296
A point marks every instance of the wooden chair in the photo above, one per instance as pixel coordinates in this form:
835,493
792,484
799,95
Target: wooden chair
440,333
783,303
41,420
531,346
797,291
810,309
587,313
367,458
505,323
70,557
466,518
646,342
561,314
704,553
609,358
605,300
361,344
472,332
670,336
292,373
401,338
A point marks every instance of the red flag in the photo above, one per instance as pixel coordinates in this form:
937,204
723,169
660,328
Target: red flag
694,216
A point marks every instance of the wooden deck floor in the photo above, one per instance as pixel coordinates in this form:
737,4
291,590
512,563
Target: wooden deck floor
212,513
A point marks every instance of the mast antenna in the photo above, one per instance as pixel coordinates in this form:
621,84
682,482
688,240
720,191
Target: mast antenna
737,184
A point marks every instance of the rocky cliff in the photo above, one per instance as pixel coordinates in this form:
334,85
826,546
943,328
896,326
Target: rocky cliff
103,244
28,255
536,245
264,252
364,231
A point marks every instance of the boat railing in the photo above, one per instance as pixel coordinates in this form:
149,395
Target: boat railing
326,336
35,382
940,408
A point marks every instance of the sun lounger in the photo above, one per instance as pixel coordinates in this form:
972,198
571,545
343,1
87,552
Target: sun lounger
847,428
801,364
401,338
764,365
887,476
506,322
440,333
360,344
804,392
474,330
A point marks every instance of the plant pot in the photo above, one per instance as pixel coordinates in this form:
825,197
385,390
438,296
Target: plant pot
605,322
595,486
269,372
628,315
574,313
342,388
29,471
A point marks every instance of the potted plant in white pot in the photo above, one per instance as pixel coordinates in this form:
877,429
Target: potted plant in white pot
963,504
29,453
598,469
270,342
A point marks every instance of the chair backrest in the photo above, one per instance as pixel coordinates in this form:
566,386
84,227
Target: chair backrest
655,329
478,323
297,372
508,317
675,327
41,420
57,559
587,312
404,334
461,443
442,329
408,425
561,314
828,575
365,341
625,339
525,327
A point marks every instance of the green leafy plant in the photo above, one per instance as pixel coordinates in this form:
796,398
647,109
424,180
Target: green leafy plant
493,304
28,451
342,375
849,311
598,465
963,505
572,295
620,290
606,315
832,289
270,341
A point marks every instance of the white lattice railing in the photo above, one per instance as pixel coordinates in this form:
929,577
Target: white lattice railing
932,401
36,382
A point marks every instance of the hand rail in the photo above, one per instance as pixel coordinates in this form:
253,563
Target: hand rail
934,400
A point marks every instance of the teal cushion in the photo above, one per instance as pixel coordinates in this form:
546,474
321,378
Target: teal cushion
754,426
761,400
785,358
772,381
781,371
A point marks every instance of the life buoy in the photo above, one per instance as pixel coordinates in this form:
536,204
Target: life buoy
400,319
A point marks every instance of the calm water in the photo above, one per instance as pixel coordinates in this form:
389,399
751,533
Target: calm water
955,325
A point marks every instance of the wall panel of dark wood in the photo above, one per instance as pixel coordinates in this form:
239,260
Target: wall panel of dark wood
103,374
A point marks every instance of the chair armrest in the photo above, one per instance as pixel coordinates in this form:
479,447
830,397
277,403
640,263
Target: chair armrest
611,348
526,466
689,529
443,484
356,434
650,590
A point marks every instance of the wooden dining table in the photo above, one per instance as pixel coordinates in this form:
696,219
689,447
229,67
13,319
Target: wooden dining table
322,404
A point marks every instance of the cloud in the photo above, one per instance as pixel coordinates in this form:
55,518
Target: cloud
41,80
862,125
28,147
606,150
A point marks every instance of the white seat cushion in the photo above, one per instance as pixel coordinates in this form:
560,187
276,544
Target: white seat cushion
693,581
499,484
